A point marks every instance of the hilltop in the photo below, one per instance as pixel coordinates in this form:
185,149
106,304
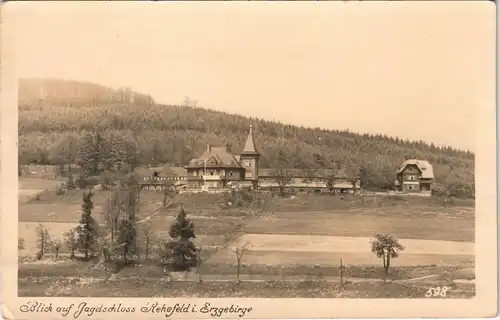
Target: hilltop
52,110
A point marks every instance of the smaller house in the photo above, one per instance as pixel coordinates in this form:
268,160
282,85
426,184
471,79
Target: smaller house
415,176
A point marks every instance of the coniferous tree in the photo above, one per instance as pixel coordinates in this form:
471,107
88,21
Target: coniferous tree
91,156
87,230
180,251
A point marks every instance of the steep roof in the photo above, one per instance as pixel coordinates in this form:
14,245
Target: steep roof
164,171
250,148
298,173
219,157
341,174
423,165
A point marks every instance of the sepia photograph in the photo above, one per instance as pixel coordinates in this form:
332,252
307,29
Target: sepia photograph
191,159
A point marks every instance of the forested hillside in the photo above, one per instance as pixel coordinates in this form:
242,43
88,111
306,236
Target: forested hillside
51,125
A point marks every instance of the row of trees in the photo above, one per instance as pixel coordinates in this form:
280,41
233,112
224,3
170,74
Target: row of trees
179,253
123,236
83,238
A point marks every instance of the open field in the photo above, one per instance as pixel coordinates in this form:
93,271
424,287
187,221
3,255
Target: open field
286,242
39,183
455,224
333,258
29,187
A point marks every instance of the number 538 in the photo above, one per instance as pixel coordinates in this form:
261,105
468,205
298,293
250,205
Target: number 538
437,292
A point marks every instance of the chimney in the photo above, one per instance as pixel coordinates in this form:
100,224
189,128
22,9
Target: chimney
209,147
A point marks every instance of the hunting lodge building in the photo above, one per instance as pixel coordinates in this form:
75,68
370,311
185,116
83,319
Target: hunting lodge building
218,170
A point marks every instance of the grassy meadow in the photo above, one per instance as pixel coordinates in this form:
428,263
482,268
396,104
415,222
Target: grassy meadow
290,239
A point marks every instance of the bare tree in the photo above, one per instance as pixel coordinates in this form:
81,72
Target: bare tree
43,240
330,183
167,189
105,248
198,264
199,258
282,179
307,175
239,252
112,213
354,178
56,246
146,235
71,242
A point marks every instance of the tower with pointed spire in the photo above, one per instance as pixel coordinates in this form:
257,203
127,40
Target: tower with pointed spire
249,159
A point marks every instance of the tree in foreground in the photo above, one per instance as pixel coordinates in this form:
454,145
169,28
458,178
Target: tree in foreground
147,237
127,236
87,231
43,240
70,239
386,247
180,252
56,246
239,252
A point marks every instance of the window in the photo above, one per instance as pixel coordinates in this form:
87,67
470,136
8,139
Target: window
412,178
231,173
410,187
423,169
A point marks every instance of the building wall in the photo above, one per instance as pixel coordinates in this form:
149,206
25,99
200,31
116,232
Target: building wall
411,187
233,174
411,173
251,166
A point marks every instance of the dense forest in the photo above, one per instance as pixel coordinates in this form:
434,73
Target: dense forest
57,118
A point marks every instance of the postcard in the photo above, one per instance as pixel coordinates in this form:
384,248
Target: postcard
253,159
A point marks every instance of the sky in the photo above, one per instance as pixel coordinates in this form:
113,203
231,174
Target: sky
416,70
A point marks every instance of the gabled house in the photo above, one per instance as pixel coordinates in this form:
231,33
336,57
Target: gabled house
415,176
217,167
